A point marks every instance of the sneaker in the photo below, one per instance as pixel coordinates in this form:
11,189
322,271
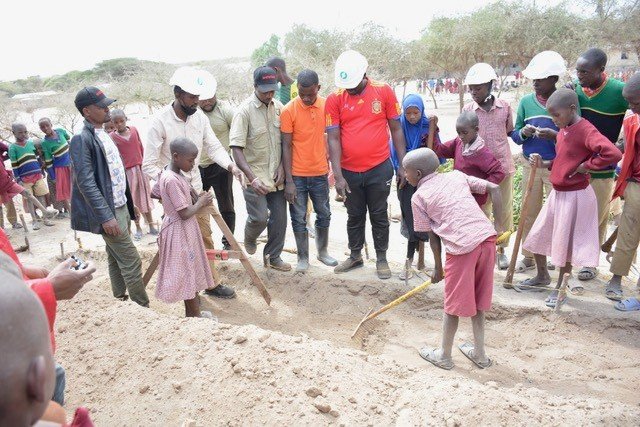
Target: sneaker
221,291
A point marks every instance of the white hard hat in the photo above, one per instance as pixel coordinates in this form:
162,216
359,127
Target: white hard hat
480,73
189,79
350,69
545,64
210,85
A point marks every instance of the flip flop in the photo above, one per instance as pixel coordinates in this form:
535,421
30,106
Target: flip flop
526,285
614,294
467,350
521,267
575,287
552,300
630,304
429,354
587,273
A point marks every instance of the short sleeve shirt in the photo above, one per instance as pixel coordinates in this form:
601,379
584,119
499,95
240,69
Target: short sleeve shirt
256,129
363,123
309,148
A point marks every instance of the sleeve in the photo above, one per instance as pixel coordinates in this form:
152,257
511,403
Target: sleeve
516,136
445,150
81,160
64,133
14,160
286,121
214,148
606,152
476,185
44,291
174,193
151,159
239,130
495,172
509,123
48,158
421,222
391,104
332,112
228,113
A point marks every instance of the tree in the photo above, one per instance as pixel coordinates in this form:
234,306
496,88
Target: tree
268,49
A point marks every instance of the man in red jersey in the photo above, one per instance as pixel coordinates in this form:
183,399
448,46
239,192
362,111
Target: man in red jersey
360,115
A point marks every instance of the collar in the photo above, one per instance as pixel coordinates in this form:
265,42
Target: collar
427,178
175,116
257,103
496,104
475,146
306,107
593,92
89,127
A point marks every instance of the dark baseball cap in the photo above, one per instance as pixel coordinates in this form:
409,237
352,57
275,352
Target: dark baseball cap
91,95
264,78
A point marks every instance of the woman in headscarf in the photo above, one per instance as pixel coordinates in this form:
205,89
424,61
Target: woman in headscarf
415,126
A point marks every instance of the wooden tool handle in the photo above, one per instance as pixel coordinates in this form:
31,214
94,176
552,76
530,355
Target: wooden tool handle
606,246
523,215
399,300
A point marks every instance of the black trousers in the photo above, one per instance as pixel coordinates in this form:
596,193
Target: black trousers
221,180
369,192
404,196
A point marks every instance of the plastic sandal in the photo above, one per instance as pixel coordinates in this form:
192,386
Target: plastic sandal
575,287
552,300
521,267
429,354
587,273
467,350
630,304
613,294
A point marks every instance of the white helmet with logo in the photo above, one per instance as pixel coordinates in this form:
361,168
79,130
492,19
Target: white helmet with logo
480,73
350,69
210,85
545,64
189,79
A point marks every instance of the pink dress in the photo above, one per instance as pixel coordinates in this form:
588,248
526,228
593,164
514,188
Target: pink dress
183,269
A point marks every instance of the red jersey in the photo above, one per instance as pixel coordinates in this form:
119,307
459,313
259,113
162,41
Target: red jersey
363,122
577,144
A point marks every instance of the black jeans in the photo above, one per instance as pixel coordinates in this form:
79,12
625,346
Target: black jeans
369,191
404,196
221,180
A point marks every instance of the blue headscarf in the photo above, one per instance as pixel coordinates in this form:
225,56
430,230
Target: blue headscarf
412,133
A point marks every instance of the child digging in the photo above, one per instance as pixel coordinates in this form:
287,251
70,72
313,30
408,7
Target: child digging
628,186
567,227
444,206
470,154
183,267
129,144
55,147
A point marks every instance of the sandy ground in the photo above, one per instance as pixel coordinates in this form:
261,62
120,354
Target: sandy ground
294,362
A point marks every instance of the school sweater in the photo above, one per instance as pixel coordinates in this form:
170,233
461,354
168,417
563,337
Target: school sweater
578,143
532,112
479,162
605,110
56,152
24,160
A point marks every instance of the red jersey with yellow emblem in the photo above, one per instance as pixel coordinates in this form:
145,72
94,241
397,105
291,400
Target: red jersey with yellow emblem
363,122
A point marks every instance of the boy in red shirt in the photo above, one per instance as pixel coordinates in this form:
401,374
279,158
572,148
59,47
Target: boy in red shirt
566,228
360,115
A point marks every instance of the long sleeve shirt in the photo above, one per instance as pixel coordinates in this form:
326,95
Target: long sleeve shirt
577,144
167,126
476,160
532,112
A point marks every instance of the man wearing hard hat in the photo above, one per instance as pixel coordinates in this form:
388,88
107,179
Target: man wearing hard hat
182,118
536,132
496,124
220,114
360,115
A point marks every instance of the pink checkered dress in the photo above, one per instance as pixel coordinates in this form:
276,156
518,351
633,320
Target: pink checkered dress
183,269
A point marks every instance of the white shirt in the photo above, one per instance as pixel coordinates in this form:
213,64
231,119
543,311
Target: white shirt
116,168
167,126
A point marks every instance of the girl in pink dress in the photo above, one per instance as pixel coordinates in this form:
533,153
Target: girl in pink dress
183,267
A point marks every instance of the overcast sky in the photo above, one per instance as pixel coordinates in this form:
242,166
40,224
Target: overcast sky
44,37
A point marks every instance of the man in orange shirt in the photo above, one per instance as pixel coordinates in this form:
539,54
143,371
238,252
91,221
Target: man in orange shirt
304,152
360,116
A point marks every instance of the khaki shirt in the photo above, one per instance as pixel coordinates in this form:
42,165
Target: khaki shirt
167,126
256,129
220,119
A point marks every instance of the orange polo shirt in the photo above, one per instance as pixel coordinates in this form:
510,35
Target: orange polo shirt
308,148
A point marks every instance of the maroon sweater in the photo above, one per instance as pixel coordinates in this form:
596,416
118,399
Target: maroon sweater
130,149
578,143
481,163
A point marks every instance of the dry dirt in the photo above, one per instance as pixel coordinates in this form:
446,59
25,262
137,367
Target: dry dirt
294,363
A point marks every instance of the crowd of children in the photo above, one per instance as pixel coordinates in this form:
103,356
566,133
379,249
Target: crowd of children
568,138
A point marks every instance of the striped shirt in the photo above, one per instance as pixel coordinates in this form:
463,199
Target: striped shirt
56,151
24,161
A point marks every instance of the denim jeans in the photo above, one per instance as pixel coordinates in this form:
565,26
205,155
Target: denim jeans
315,188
